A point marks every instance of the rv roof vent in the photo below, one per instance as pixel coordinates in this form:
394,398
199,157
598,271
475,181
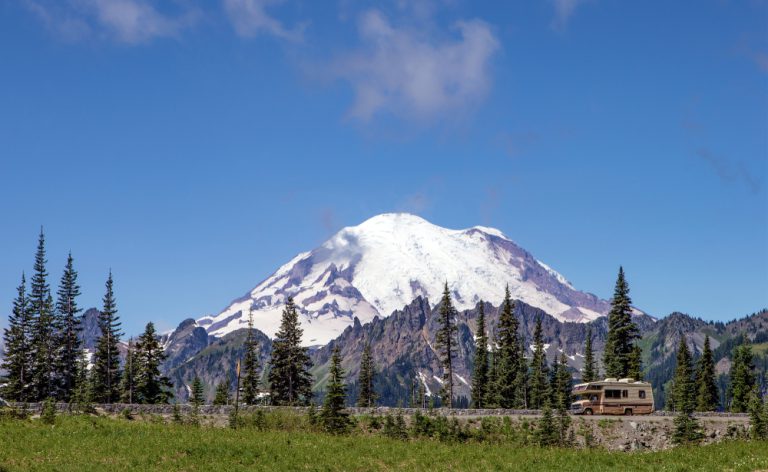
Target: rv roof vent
627,380
611,379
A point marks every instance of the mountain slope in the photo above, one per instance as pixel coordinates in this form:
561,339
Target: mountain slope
381,265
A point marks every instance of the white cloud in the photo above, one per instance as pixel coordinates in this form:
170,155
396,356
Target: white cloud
250,18
401,71
126,21
564,9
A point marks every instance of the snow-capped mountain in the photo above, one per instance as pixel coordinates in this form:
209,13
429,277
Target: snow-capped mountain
386,262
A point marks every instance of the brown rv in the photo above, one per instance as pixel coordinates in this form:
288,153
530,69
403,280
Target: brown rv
613,397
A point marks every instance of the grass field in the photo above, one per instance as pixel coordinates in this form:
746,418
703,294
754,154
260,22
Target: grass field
91,443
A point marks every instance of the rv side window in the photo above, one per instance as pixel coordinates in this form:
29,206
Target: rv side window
624,393
613,394
641,393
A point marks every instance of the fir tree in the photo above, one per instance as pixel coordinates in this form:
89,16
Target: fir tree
222,394
44,343
151,386
445,342
742,377
250,365
622,331
758,418
546,431
492,397
366,394
707,396
128,379
508,388
68,324
636,363
81,393
332,416
539,369
590,368
683,388
105,374
480,372
289,377
522,381
197,393
18,360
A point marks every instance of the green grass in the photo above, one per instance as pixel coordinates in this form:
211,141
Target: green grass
85,443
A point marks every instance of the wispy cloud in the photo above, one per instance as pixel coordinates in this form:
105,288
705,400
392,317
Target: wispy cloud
250,18
564,10
409,73
125,21
730,172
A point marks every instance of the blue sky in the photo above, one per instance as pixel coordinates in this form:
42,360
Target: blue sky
193,147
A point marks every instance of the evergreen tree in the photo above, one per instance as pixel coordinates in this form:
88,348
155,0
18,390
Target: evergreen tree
508,387
636,363
560,391
151,386
332,416
366,395
492,397
445,342
197,393
105,374
546,431
539,369
522,382
222,394
481,367
250,365
622,331
44,343
68,324
742,377
683,388
81,393
18,360
758,415
128,379
590,368
707,396
289,377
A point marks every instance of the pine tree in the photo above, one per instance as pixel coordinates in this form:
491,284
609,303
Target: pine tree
560,391
44,343
81,393
509,355
539,369
366,396
492,397
18,360
636,363
683,388
522,382
445,342
742,377
128,379
250,365
590,368
480,372
289,377
151,386
707,396
105,374
622,331
68,325
758,418
546,432
332,416
197,393
222,394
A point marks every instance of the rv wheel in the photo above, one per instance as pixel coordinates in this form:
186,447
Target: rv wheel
628,412
588,411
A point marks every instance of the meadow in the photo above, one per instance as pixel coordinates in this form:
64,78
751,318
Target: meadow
85,443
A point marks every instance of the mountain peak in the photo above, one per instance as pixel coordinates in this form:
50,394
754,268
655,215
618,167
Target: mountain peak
390,259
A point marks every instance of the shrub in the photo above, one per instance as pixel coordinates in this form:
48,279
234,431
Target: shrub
48,414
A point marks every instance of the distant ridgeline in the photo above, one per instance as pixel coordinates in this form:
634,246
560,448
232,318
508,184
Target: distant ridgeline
422,354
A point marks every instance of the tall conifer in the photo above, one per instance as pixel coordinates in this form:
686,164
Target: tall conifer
290,382
151,386
332,416
105,374
18,359
480,373
128,376
197,392
68,324
508,388
635,370
445,342
590,368
622,331
707,396
44,344
539,369
742,377
366,395
250,383
222,393
683,389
